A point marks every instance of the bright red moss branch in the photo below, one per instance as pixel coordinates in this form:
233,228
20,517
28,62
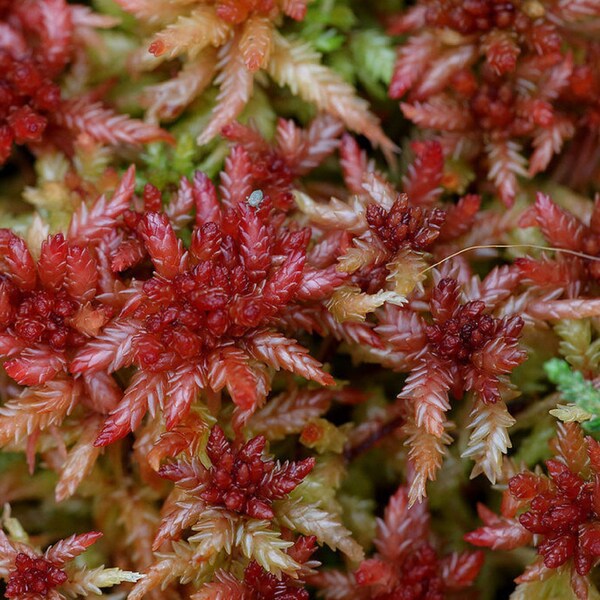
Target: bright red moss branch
463,349
274,167
261,585
557,513
404,226
48,310
203,321
54,574
239,479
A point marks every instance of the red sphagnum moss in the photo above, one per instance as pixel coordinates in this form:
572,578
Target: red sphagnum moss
229,329
558,513
238,479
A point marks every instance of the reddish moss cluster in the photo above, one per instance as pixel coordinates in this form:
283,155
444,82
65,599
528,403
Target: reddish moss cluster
559,513
406,565
47,308
274,167
33,576
39,316
240,479
464,333
33,55
475,347
187,314
494,79
26,98
405,226
472,15
562,229
166,320
564,511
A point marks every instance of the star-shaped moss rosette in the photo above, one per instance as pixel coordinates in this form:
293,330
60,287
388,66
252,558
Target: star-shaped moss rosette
240,480
203,320
53,574
557,513
243,508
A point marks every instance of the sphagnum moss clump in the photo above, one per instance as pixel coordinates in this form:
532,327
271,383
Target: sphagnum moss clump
266,334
